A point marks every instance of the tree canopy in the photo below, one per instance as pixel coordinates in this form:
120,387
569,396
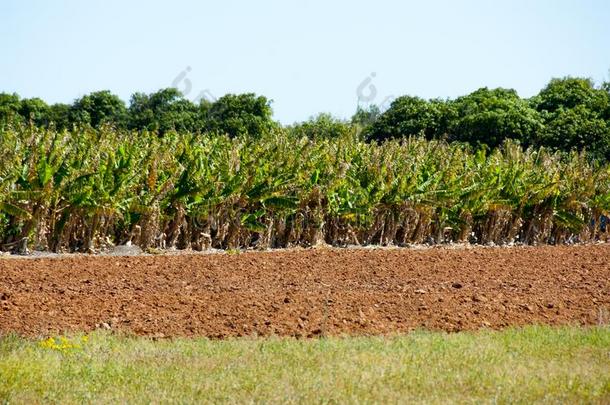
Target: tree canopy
322,126
568,113
100,107
490,116
412,116
239,114
162,111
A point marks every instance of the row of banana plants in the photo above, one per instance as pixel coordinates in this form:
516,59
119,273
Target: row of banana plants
88,189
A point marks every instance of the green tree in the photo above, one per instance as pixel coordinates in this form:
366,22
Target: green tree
365,117
59,116
100,107
491,116
576,128
412,116
239,114
35,110
576,116
162,111
9,108
570,92
322,126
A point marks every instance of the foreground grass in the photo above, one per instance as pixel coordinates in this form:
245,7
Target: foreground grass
539,364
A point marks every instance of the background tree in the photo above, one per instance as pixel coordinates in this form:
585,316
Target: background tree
568,113
571,92
322,126
239,114
35,110
162,111
606,87
576,128
490,117
576,115
412,116
100,107
9,108
59,116
366,117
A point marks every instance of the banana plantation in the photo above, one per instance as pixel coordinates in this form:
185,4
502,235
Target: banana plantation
90,189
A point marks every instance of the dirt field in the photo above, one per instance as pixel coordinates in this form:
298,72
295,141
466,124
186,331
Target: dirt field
307,292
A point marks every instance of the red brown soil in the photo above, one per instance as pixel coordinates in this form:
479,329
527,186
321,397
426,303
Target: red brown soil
307,292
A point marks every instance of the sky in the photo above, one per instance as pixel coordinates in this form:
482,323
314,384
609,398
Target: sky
307,56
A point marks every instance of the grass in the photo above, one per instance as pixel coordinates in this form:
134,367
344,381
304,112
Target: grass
532,364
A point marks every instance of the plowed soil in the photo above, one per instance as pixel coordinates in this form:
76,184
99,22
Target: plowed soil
307,292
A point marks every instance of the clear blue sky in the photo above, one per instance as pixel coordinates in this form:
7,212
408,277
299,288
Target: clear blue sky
308,56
